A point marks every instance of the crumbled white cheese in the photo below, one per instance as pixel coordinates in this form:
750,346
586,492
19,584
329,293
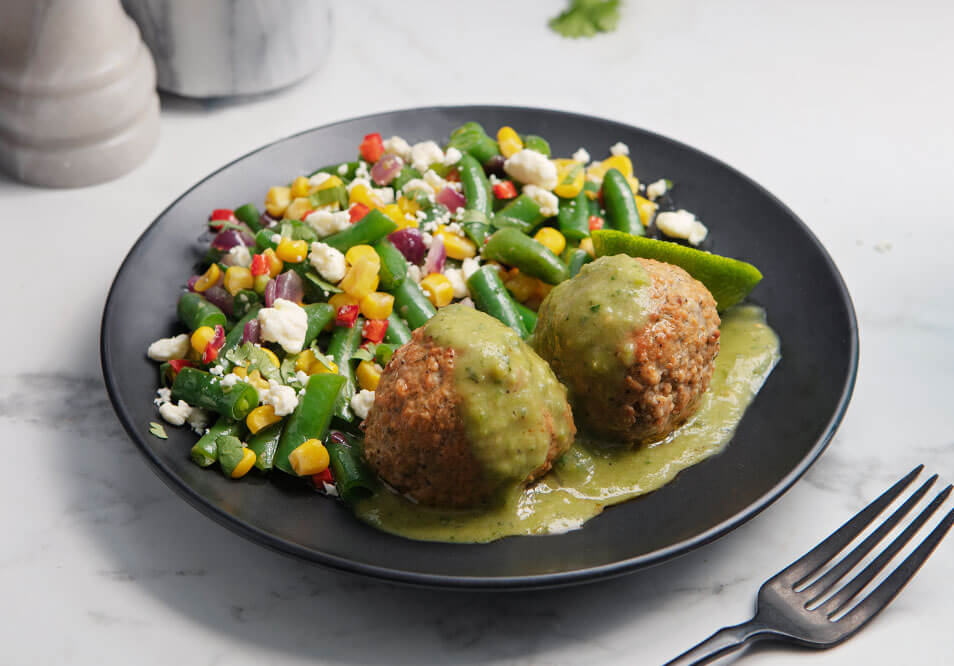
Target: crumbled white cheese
302,377
398,146
165,395
216,370
359,181
320,177
582,156
276,238
166,349
452,156
456,277
329,488
176,414
230,380
435,181
494,180
619,148
325,222
682,224
455,229
328,261
414,272
285,323
532,168
469,266
424,154
657,189
419,185
362,170
361,403
548,202
199,419
343,169
283,398
240,256
427,239
384,195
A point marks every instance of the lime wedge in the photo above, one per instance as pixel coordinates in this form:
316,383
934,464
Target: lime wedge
729,280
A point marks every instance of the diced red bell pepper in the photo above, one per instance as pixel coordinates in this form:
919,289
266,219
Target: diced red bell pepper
221,215
453,176
358,211
215,344
259,265
374,330
372,148
178,363
347,315
505,189
322,478
596,222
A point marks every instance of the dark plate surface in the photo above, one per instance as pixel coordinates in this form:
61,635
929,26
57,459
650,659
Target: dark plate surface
786,428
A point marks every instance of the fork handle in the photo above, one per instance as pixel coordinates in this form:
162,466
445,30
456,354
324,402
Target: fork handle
723,642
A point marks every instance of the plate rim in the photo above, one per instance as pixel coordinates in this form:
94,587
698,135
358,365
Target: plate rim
532,581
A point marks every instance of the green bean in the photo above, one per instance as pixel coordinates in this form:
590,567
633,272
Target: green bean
393,269
333,169
527,316
407,174
229,452
344,343
264,444
353,480
521,213
471,138
201,389
509,246
492,297
383,352
245,301
249,215
205,451
621,211
476,226
592,202
372,227
412,305
311,417
537,143
194,311
576,259
263,240
318,316
574,217
475,185
398,333
337,194
234,337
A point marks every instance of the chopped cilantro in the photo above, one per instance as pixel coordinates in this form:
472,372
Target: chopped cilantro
585,18
156,430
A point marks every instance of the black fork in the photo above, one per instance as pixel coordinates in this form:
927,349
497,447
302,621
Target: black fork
813,615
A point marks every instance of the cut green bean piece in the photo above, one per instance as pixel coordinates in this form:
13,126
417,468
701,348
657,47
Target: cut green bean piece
202,389
229,453
194,311
311,417
371,228
621,211
264,444
393,269
528,316
344,343
537,143
337,194
475,185
492,297
205,451
249,215
412,305
353,480
318,316
398,333
574,217
510,247
576,259
407,174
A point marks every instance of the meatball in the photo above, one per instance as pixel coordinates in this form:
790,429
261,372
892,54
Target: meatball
464,411
635,341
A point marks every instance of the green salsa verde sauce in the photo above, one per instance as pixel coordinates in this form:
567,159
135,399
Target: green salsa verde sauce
594,475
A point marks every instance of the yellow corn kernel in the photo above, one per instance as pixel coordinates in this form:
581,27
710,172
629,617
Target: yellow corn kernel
238,278
298,208
271,356
309,458
240,371
456,246
277,200
587,246
633,184
621,163
394,212
361,194
358,253
255,379
292,251
328,183
208,279
275,265
522,286
551,239
377,305
300,187
320,367
338,301
261,417
510,142
408,206
368,375
362,277
646,208
259,282
438,289
304,360
245,464
569,178
201,338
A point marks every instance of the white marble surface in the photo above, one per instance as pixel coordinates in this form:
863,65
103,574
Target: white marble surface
841,109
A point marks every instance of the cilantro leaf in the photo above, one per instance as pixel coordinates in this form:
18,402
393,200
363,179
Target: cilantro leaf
156,430
584,18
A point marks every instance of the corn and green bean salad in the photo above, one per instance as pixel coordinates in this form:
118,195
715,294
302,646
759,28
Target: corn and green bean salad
295,310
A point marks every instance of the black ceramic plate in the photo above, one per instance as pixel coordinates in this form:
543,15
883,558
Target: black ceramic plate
786,428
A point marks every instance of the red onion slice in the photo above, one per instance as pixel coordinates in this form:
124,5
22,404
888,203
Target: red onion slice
451,198
289,286
252,332
270,293
267,221
191,283
226,240
386,169
410,243
436,257
220,298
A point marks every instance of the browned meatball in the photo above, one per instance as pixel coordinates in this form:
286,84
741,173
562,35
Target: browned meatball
417,437
635,342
